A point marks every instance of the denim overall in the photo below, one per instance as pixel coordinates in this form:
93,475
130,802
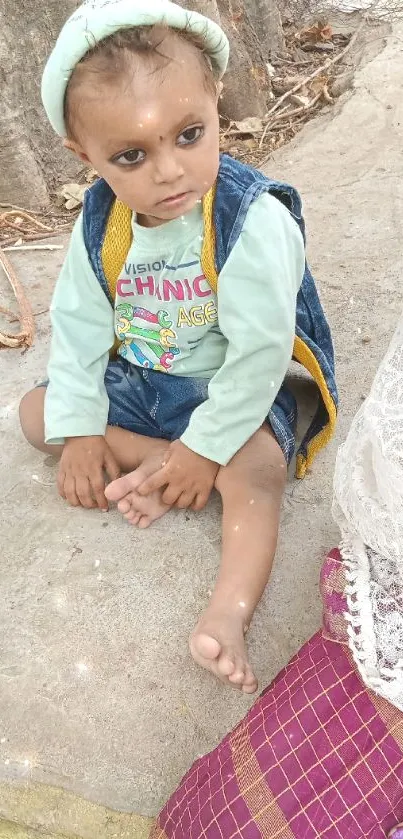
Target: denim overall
237,187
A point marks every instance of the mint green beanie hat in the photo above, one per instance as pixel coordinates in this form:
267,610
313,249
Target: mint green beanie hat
95,20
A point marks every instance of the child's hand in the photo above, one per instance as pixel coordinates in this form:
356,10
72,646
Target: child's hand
81,472
187,476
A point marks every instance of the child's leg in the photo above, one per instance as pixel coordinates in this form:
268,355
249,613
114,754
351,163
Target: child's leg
251,487
32,421
131,451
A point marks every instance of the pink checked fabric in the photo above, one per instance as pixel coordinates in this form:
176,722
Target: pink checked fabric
316,756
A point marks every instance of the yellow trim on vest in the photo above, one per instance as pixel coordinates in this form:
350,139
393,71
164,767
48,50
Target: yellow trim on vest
116,246
305,356
117,242
208,248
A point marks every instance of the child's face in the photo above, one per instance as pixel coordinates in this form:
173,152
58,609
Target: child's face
153,136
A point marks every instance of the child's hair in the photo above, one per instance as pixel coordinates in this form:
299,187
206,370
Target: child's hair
110,58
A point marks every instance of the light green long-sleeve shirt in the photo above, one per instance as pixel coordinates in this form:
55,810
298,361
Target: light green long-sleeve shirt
169,319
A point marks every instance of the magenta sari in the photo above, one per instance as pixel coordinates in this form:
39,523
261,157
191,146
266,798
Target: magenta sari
318,755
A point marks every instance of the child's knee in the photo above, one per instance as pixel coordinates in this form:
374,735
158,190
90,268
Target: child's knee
32,416
257,482
258,470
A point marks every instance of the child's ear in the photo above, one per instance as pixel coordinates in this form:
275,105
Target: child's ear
74,147
220,88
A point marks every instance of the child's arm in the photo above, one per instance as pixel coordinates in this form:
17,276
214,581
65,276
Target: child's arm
76,404
257,294
258,287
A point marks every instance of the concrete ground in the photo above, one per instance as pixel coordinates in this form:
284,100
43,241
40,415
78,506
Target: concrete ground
98,693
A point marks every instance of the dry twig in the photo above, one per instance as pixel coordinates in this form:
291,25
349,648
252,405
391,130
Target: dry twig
26,336
37,237
330,62
33,248
22,214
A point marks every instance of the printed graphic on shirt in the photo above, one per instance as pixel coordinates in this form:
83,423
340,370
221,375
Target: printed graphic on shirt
155,330
161,320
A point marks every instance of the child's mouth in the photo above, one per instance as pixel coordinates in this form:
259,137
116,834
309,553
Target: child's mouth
174,200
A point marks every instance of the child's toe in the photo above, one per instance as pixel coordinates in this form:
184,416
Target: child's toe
226,664
119,488
124,506
237,677
250,682
204,646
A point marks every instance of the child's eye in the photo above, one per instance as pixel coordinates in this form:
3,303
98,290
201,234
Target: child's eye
129,157
190,135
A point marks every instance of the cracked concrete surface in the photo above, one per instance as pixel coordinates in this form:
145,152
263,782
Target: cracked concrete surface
98,693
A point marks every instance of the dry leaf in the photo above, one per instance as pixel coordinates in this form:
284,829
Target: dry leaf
317,85
326,95
91,175
251,125
73,195
316,33
327,33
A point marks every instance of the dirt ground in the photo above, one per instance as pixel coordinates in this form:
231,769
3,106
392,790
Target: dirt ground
98,692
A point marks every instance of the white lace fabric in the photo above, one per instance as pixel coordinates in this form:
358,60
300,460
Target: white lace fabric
368,508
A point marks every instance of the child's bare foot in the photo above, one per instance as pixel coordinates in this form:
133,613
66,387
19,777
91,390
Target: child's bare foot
218,644
139,510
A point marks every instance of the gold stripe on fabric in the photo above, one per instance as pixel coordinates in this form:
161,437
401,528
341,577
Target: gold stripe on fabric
254,790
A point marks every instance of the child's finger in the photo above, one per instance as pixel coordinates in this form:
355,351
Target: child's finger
185,500
154,482
98,492
200,502
61,477
171,494
69,491
111,466
83,490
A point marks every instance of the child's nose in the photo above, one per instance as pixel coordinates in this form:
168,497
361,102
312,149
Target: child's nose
168,168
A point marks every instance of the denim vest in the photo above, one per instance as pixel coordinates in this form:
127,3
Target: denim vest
108,234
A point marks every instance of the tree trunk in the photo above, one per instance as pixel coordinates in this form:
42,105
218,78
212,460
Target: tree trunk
32,158
255,34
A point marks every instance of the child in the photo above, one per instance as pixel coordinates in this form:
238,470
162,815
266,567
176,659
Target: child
194,397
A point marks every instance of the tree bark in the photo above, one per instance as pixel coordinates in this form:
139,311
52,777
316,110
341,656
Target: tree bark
32,158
